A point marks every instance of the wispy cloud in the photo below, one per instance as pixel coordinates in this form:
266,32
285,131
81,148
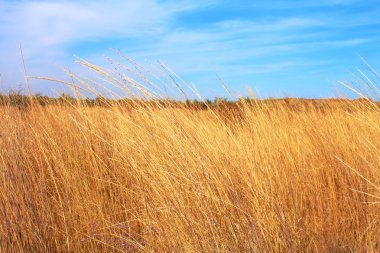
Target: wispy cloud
47,28
50,22
244,41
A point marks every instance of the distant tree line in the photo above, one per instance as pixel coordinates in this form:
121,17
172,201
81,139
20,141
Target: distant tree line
21,100
222,104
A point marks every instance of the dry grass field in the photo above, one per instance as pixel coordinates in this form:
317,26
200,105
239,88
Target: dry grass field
260,176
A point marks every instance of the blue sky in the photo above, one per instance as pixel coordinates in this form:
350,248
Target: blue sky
276,48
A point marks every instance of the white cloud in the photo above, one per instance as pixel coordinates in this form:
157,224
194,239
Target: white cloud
234,46
45,28
43,23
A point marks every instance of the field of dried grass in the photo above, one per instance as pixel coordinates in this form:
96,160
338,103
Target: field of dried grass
264,178
156,176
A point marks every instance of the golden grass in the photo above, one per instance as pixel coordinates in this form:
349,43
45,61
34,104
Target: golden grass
275,177
85,179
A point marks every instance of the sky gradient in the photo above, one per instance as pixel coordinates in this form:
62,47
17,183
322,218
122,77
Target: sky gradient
276,48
